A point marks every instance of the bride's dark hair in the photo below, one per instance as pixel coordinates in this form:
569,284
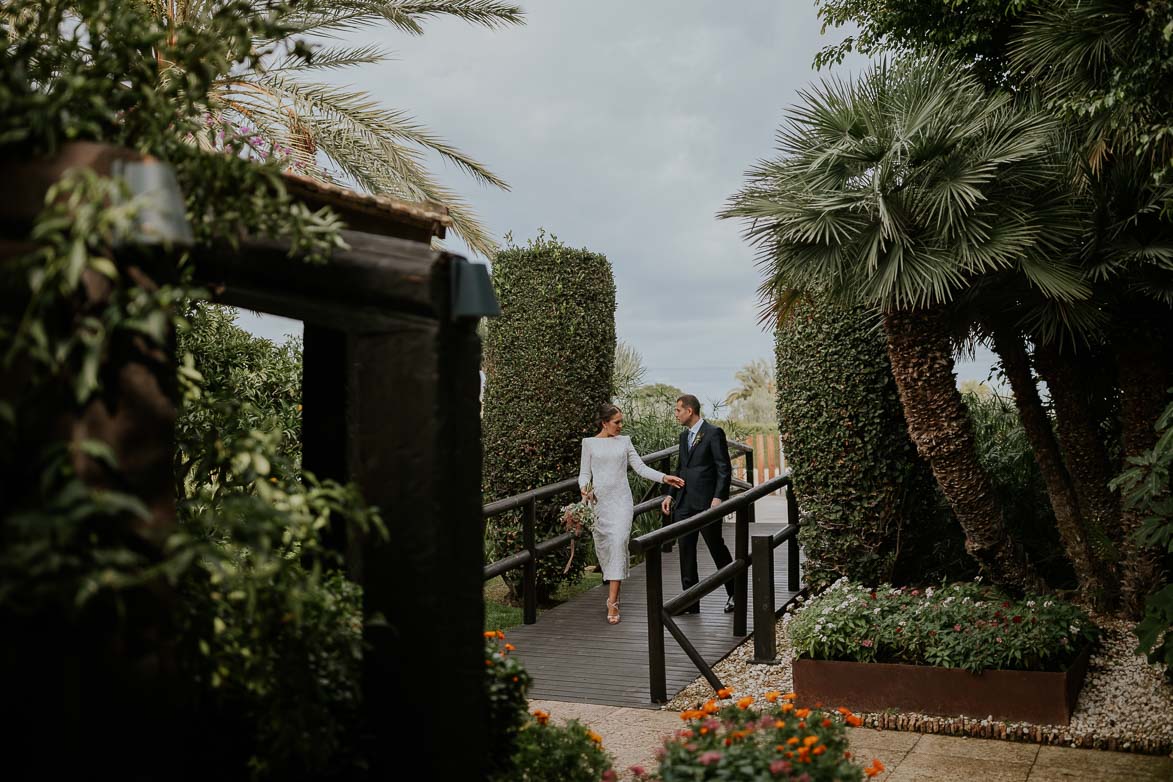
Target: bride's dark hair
604,414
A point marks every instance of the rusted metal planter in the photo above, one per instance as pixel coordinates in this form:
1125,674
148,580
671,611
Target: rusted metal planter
1039,697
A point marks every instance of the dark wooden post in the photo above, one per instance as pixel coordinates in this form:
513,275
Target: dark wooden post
793,583
530,569
655,597
749,476
764,642
741,582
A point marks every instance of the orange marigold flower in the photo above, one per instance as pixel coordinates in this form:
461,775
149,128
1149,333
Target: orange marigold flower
541,716
510,648
790,696
710,707
792,740
801,724
501,635
773,696
724,692
595,737
787,707
789,755
801,713
490,634
745,702
810,741
853,720
779,723
704,730
826,723
819,750
779,748
843,710
875,768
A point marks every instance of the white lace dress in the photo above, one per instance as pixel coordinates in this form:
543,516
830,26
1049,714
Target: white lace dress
604,463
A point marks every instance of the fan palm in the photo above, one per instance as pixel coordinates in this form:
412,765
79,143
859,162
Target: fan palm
901,191
338,134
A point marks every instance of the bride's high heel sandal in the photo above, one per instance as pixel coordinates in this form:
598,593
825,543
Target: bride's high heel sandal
613,620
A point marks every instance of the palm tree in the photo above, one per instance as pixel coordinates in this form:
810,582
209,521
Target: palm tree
901,191
753,378
338,134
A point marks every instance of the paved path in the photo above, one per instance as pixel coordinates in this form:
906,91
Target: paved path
632,736
574,655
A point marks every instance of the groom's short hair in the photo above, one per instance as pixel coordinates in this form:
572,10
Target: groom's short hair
691,402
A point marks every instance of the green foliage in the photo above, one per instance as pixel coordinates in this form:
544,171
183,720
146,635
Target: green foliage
743,743
548,364
1005,453
963,625
570,753
1147,486
977,32
871,508
506,684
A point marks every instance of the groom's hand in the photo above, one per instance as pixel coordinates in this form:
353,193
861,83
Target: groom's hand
715,503
666,506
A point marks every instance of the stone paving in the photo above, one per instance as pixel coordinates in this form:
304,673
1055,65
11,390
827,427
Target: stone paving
632,735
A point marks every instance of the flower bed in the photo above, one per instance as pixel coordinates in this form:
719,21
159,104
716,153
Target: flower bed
932,644
776,740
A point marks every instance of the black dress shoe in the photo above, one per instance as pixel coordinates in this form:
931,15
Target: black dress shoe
729,605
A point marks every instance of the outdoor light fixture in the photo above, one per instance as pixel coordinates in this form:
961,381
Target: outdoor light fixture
162,215
472,292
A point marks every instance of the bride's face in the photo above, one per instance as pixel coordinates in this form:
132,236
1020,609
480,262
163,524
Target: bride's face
615,426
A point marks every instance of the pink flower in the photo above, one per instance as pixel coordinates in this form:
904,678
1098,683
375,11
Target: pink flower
638,771
957,628
610,776
867,642
780,767
660,753
709,758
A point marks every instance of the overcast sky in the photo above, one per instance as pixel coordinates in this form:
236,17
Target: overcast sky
622,128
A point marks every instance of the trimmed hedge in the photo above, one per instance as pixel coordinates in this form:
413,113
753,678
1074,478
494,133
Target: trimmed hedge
871,508
548,365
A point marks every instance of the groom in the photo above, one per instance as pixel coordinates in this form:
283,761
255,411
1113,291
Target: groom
704,466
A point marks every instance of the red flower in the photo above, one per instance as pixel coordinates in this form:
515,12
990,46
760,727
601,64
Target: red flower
1017,619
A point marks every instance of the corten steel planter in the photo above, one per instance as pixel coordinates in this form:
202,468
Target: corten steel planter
1040,697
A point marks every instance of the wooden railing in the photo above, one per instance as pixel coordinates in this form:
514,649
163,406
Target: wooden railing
533,550
661,613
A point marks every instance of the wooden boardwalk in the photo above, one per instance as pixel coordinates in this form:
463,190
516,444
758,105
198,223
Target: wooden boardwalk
574,655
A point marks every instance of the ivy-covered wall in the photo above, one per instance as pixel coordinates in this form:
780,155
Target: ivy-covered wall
870,507
548,361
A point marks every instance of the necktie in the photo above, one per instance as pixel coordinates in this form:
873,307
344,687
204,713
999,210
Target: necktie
691,437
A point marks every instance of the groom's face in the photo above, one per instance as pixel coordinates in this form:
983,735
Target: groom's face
682,413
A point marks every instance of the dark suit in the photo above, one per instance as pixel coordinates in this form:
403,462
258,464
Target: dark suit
707,472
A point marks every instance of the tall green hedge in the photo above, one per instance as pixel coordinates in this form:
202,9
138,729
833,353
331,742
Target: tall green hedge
548,363
870,507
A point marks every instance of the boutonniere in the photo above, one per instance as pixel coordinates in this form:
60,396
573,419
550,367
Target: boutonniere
697,440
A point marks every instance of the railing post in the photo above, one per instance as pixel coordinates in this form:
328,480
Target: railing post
741,580
749,476
764,643
657,675
793,583
530,571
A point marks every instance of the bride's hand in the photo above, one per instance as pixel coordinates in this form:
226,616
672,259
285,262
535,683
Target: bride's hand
589,496
675,481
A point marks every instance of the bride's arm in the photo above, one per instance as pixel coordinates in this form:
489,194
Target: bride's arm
640,468
584,468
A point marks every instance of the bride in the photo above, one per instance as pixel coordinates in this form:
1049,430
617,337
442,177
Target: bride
605,459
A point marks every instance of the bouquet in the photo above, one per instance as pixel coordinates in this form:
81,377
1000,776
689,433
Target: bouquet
578,518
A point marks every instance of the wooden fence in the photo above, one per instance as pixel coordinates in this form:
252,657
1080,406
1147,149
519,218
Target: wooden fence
769,461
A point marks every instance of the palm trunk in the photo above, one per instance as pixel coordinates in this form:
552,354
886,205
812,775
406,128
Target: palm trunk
1064,503
1084,452
1144,376
939,425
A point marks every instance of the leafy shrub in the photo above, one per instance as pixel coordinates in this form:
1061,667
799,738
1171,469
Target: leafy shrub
964,625
1147,486
778,740
548,365
506,684
1006,454
568,753
872,510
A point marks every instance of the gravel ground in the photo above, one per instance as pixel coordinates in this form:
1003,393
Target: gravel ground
1126,704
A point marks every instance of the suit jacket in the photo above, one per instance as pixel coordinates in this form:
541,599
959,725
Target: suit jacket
705,469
